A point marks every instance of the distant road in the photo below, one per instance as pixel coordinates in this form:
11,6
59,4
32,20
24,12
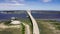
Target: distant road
35,26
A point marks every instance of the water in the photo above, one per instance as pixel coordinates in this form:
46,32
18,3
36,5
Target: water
8,16
46,16
38,15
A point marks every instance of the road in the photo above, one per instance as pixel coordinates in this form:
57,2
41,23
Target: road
27,28
35,26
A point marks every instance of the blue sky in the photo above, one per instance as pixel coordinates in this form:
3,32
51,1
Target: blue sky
30,4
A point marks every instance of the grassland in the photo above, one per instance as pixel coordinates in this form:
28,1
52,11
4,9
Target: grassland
20,30
45,26
48,26
11,29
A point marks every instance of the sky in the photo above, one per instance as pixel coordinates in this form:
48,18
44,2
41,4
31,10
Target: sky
30,4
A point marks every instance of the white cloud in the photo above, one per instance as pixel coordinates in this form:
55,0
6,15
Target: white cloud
7,4
11,6
12,2
47,0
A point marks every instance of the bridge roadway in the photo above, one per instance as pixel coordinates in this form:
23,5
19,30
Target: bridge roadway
35,25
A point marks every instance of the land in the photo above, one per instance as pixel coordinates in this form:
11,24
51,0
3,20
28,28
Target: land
45,27
49,26
6,28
